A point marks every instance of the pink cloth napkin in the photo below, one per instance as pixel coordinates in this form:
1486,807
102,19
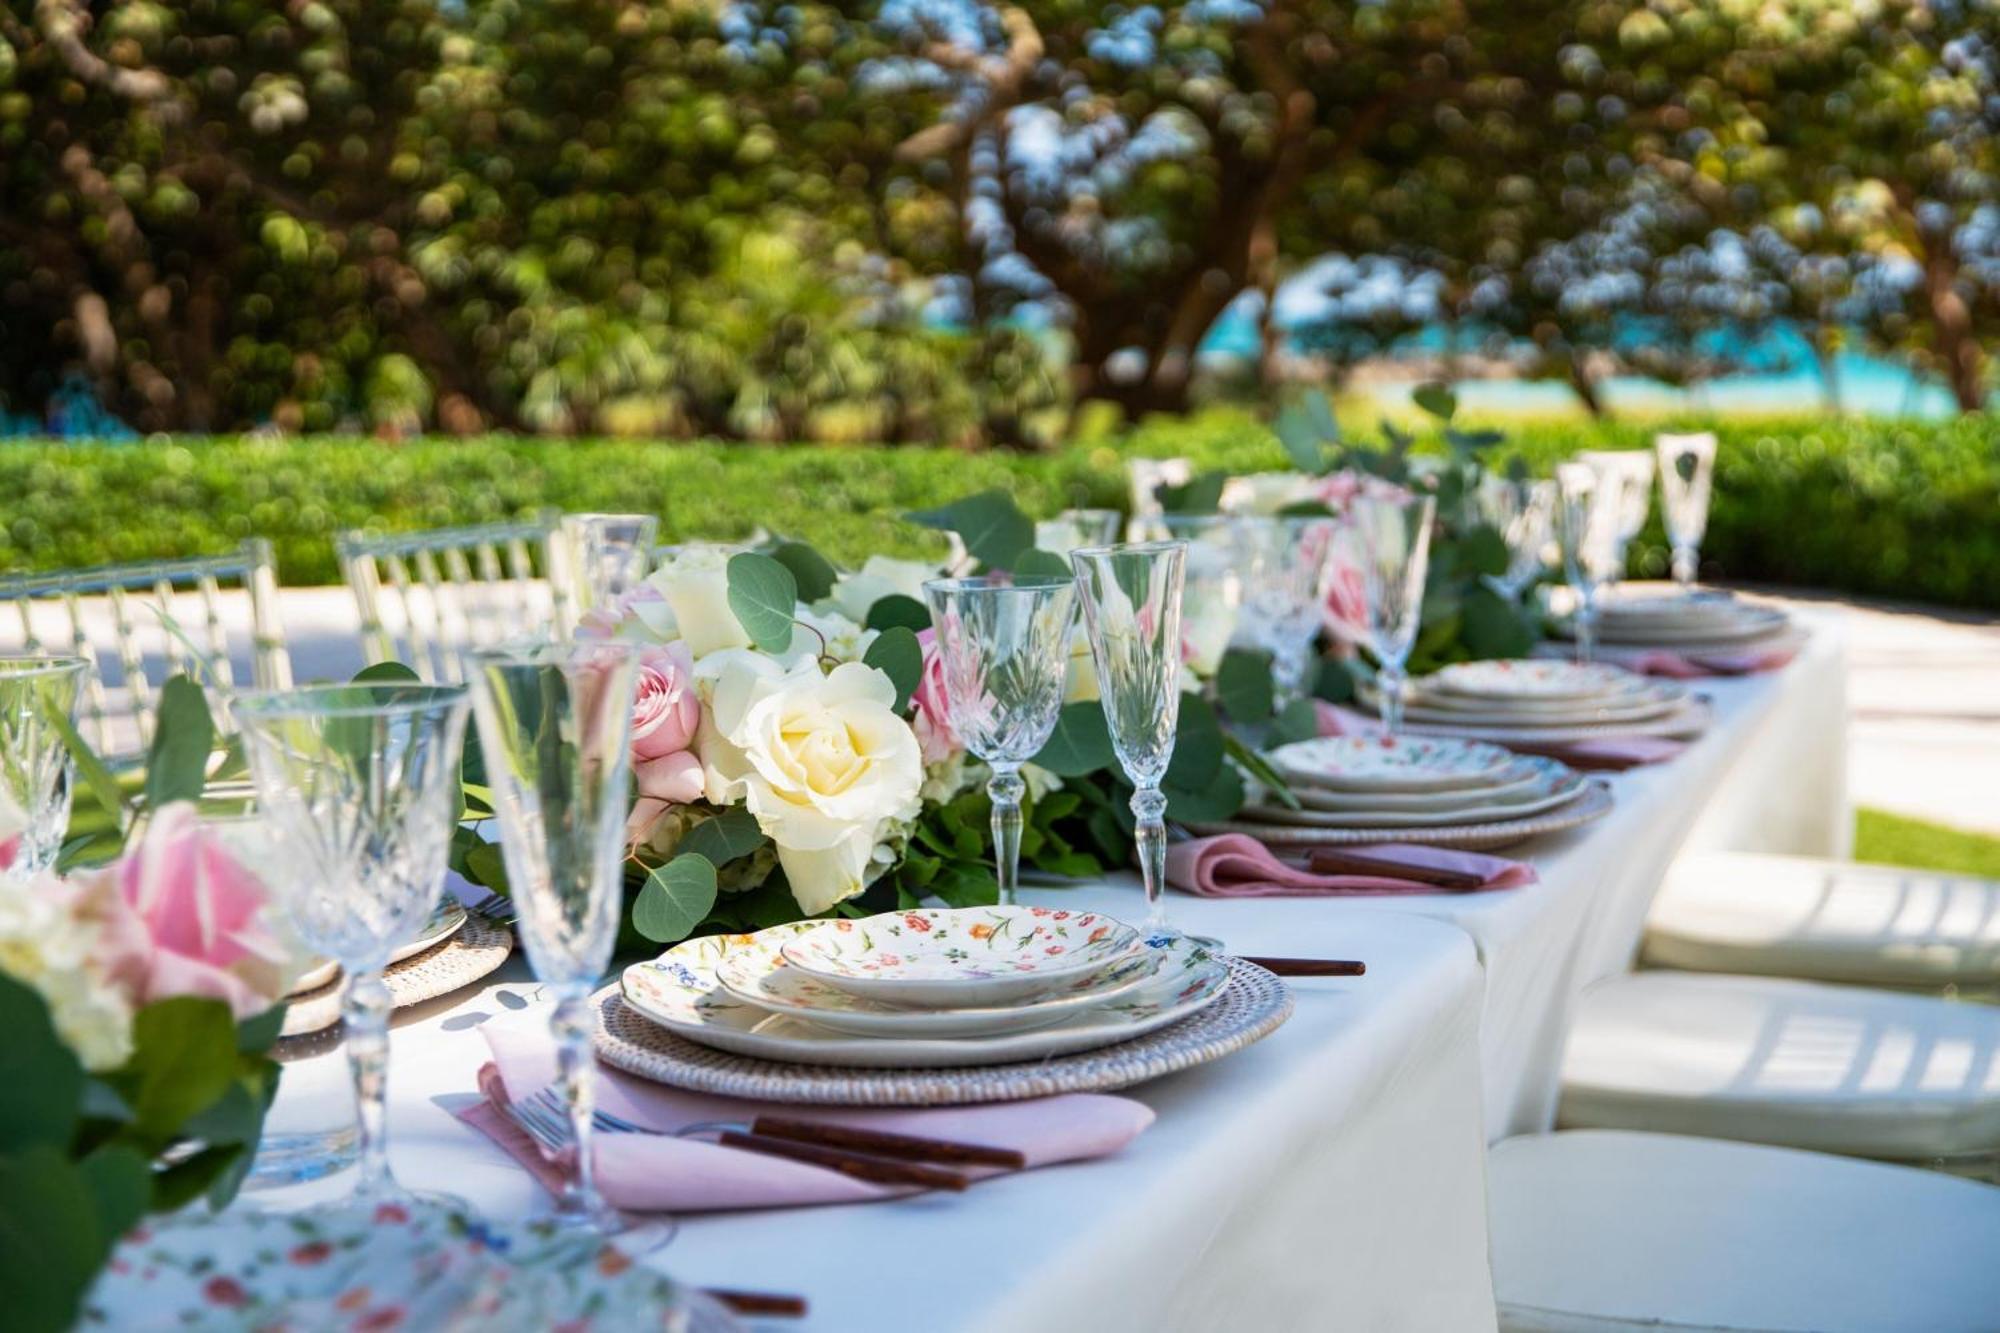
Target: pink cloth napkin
1607,753
658,1173
1236,865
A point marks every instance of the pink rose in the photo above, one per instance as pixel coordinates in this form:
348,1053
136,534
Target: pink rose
1346,597
666,713
935,738
183,916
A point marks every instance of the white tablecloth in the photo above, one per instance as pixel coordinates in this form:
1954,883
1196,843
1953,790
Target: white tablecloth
1331,1176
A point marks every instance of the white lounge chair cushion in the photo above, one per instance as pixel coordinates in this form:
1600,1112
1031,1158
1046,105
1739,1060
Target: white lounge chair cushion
1825,920
1599,1230
1833,1068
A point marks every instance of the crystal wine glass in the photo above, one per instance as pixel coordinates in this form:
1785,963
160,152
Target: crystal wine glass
1132,608
1588,521
1078,527
1687,471
610,554
555,730
1003,643
1383,550
37,692
1523,512
360,784
1625,481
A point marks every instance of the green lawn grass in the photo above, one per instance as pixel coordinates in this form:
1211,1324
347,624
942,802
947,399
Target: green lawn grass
1897,840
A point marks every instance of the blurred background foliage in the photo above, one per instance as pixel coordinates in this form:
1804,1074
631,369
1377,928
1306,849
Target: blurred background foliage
956,221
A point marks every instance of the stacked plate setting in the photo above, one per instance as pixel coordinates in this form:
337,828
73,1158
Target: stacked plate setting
1545,702
1402,787
927,988
1689,623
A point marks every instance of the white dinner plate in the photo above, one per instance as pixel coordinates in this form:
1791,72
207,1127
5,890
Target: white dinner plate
1388,763
1655,700
1685,722
678,991
443,923
1528,679
1513,781
1547,796
758,974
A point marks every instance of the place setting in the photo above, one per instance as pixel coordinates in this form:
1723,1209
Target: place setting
1535,702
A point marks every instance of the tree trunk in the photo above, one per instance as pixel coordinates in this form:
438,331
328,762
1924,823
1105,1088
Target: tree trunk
1826,359
1957,344
1585,386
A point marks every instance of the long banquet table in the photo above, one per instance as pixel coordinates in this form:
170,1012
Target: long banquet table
1332,1176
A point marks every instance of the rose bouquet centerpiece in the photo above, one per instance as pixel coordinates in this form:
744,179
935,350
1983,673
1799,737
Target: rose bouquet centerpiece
138,999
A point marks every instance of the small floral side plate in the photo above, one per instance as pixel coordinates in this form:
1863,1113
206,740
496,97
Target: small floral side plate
758,973
960,957
679,991
1391,763
380,1266
1531,678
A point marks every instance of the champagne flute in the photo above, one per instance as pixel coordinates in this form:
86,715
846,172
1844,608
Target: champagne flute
37,693
1687,472
1078,527
1587,526
1132,608
555,729
1625,482
1384,553
1523,513
610,554
1003,643
359,782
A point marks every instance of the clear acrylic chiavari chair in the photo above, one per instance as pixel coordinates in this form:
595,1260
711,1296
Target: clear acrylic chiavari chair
426,598
159,619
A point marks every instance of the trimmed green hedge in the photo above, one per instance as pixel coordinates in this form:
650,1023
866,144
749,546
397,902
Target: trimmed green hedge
1889,509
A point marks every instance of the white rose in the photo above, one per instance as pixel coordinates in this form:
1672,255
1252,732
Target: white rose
822,761
878,577
49,946
694,583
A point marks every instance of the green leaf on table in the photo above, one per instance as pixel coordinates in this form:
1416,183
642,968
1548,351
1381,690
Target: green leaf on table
1197,746
898,610
897,655
1081,742
992,527
725,837
387,673
1220,797
51,1239
677,896
1200,494
1482,551
812,572
1492,626
1436,398
183,739
966,884
765,598
1042,564
41,1082
183,1061
486,865
1296,721
1243,684
1334,681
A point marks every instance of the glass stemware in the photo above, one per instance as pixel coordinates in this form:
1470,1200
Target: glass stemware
1625,482
1003,644
555,731
36,692
1382,555
360,783
610,554
1523,512
1078,527
1588,521
1132,609
1687,472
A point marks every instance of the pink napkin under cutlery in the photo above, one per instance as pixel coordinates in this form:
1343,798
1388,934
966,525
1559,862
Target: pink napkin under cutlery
661,1173
1681,664
1236,865
1596,753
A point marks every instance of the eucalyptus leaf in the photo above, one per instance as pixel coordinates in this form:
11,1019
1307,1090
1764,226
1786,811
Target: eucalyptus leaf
183,1061
676,898
896,609
1220,797
812,572
1296,721
1042,564
1243,683
41,1082
387,673
51,1239
1334,681
992,527
966,884
1437,399
897,655
1201,494
725,837
1080,744
1197,746
183,739
765,598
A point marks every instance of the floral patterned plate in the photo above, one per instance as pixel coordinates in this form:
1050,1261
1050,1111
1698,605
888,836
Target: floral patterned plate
1530,679
377,1267
1546,793
758,974
678,990
1390,763
444,922
960,957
